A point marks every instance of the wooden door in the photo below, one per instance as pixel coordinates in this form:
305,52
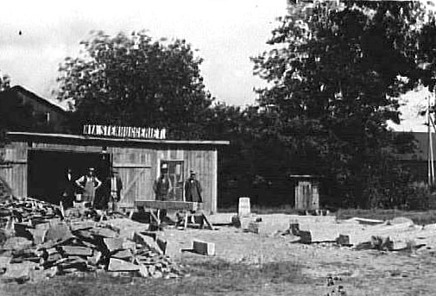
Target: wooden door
134,168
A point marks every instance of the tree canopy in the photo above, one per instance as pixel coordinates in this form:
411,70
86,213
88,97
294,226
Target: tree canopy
335,74
135,80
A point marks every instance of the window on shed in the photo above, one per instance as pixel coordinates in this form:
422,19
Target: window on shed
176,175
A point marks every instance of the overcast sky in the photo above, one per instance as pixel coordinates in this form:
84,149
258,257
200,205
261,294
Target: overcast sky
226,33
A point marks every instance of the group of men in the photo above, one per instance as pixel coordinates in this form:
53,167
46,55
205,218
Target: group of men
84,189
163,186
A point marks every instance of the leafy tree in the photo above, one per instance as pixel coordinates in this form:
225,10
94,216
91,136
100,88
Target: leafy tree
334,75
134,80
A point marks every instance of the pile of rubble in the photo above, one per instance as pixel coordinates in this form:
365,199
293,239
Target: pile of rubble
26,210
38,245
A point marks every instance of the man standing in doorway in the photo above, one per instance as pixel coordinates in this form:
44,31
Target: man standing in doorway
162,186
114,186
193,189
89,183
68,189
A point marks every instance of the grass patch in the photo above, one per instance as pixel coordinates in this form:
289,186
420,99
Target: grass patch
206,278
421,218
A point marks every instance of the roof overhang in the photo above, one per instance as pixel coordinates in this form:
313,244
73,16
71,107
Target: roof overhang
91,140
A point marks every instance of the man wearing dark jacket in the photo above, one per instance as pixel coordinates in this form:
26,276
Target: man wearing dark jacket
193,189
113,185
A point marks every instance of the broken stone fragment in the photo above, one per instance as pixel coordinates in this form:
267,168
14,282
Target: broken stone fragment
121,265
147,241
95,258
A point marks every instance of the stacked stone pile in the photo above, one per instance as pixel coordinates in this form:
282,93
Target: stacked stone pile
37,244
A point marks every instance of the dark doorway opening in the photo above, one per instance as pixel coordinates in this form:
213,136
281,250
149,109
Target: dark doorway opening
47,171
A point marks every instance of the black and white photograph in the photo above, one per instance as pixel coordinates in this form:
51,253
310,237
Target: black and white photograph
217,147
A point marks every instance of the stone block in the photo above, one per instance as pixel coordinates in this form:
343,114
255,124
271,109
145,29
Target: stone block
343,240
203,248
305,237
244,208
113,244
121,265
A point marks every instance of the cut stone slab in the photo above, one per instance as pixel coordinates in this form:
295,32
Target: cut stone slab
244,208
123,254
103,232
38,235
365,221
121,265
147,241
84,234
58,232
17,243
76,251
128,244
113,244
41,226
82,225
72,262
203,248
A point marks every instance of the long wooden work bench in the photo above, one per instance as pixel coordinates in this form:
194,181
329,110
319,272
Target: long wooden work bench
187,208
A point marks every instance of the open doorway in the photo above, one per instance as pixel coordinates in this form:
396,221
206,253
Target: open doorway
47,169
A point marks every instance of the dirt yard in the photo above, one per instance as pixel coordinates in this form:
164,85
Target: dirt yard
273,262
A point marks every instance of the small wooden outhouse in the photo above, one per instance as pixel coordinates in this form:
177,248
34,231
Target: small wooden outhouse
306,192
35,163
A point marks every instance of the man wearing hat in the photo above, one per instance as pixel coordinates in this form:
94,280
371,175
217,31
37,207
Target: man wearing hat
89,184
113,185
193,189
162,186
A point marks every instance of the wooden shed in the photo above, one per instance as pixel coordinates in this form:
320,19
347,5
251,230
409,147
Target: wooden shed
306,192
36,162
